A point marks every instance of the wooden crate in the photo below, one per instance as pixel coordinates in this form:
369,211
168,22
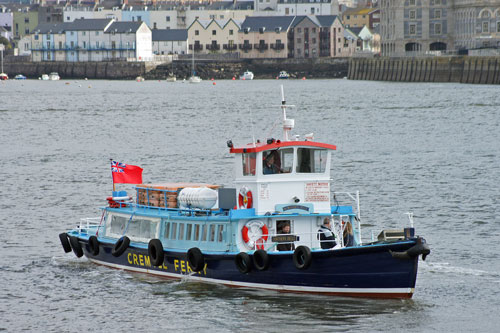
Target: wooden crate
156,194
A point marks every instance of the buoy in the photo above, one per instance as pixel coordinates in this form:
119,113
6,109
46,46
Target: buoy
243,78
212,79
234,78
304,78
277,77
86,79
214,83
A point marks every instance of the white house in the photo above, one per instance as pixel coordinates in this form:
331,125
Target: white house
170,41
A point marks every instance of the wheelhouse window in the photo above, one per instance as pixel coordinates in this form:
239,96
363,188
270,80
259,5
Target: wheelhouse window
249,160
277,161
311,160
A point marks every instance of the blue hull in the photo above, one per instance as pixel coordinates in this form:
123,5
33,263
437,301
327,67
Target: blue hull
365,271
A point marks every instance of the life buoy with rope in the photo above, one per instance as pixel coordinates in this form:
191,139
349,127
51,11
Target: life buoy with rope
245,198
255,234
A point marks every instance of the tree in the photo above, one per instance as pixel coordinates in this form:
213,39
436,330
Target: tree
5,42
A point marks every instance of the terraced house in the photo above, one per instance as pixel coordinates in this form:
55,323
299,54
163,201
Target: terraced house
213,36
92,40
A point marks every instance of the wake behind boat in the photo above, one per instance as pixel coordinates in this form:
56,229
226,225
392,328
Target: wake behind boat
270,231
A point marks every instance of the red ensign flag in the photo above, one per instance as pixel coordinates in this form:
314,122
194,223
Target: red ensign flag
126,173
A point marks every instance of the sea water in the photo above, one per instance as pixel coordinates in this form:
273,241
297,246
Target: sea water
431,149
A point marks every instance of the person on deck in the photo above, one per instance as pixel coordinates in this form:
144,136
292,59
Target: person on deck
325,235
269,166
348,234
285,246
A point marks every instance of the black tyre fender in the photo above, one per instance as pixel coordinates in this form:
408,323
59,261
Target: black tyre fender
94,245
76,246
63,237
120,246
195,259
243,262
261,260
155,251
302,257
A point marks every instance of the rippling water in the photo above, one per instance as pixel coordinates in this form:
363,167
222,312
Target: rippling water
433,149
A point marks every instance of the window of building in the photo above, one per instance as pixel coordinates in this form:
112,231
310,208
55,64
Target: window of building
313,40
299,29
437,13
287,11
97,33
26,20
139,18
84,33
196,32
36,36
230,32
168,18
486,26
84,44
221,17
313,30
27,31
412,2
437,2
437,28
97,45
71,33
312,10
413,29
413,14
498,26
67,18
214,32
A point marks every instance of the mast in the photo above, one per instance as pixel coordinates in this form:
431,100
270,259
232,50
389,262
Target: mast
288,124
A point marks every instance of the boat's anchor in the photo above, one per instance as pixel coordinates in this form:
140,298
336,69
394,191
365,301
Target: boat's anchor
421,248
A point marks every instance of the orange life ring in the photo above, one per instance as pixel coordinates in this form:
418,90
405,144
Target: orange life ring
255,234
245,198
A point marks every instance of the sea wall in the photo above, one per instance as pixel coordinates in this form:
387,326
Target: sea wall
483,70
78,70
262,68
208,68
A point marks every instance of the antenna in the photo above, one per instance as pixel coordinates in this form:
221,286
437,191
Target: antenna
288,124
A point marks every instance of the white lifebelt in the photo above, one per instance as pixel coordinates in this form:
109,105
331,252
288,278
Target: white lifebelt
255,234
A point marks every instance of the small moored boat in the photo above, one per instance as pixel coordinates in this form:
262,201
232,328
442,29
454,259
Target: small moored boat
247,76
3,77
54,76
20,77
283,75
269,231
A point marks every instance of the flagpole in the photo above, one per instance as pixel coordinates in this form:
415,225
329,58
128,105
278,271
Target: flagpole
110,162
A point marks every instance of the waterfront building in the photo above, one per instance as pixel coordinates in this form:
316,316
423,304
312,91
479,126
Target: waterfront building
360,17
301,7
6,20
170,41
213,36
413,27
92,40
25,19
477,24
265,36
370,40
73,12
317,36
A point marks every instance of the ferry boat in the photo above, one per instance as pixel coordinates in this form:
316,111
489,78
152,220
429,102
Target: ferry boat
265,232
247,76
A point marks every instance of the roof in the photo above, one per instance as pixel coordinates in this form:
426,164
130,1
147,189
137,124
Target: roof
251,148
53,28
359,11
326,20
89,24
169,35
270,23
356,30
123,27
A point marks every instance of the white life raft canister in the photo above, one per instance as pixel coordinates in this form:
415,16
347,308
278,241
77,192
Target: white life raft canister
197,197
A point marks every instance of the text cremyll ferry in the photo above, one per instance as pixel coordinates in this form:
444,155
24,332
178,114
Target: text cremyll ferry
272,230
